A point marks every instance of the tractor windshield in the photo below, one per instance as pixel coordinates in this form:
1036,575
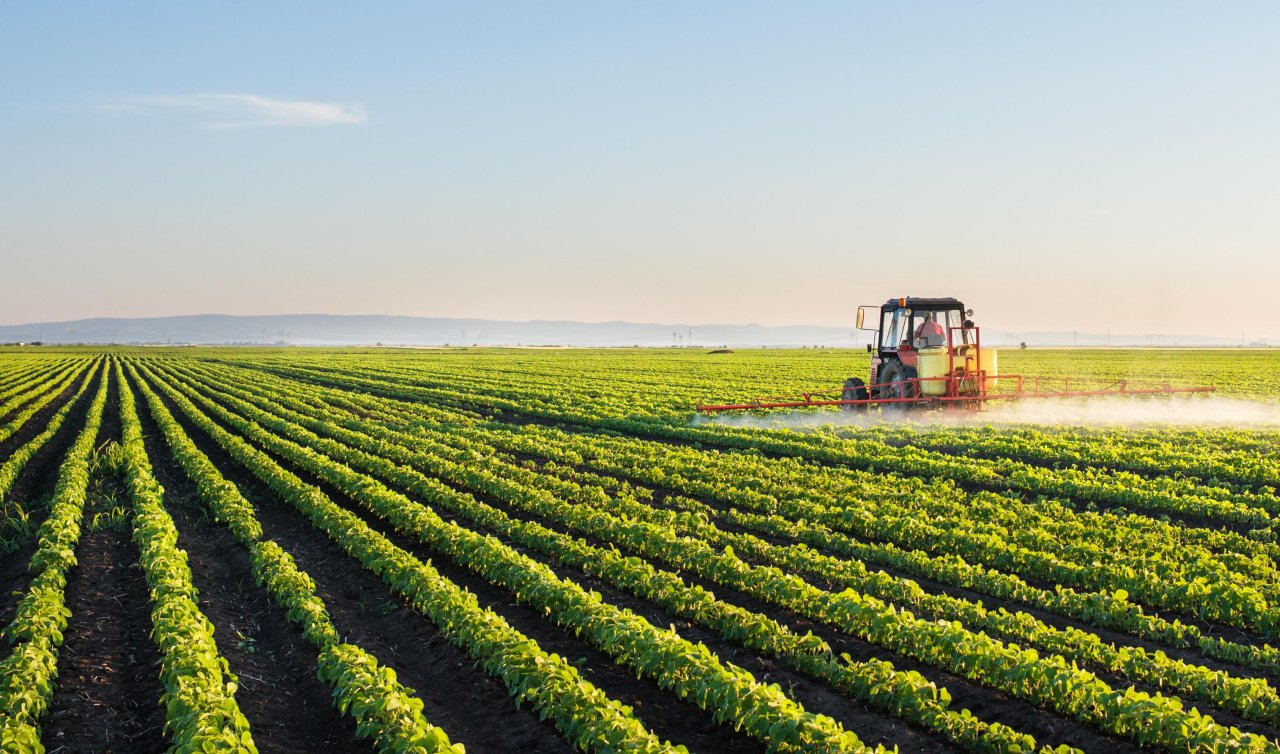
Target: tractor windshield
920,328
929,329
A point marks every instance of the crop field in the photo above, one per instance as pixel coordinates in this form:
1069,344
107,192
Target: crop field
304,550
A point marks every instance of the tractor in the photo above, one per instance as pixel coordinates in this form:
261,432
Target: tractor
927,352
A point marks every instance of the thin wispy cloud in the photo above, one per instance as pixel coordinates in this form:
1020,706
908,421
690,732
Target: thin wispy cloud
241,110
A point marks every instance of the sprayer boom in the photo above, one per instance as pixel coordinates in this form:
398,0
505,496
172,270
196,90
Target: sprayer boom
911,393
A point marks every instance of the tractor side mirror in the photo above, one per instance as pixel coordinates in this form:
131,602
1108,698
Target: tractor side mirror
868,348
968,313
861,311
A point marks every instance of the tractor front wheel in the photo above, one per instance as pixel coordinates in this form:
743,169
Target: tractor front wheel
854,390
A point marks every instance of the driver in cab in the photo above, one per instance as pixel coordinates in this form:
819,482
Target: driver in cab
930,333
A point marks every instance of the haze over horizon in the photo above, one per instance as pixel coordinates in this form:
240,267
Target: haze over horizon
1086,166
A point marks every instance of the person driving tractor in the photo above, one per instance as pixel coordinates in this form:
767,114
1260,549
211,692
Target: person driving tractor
930,332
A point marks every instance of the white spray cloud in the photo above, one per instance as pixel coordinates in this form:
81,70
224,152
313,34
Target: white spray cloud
1118,411
242,110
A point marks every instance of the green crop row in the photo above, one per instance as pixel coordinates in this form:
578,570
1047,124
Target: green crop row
385,710
690,670
872,457
615,456
18,459
29,672
585,715
1047,680
906,694
47,392
201,714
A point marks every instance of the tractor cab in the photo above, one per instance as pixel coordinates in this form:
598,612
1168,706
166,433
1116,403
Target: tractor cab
913,323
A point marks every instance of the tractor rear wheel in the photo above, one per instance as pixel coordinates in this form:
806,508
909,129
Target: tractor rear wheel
896,382
854,390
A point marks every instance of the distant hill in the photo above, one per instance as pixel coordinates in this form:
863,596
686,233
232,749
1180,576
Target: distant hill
342,330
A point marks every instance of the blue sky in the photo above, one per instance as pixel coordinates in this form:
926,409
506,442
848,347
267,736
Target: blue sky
1059,166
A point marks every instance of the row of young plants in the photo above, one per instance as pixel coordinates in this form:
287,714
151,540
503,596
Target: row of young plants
29,673
690,670
931,546
704,474
384,710
17,460
1103,609
26,384
876,458
1020,544
568,392
1109,608
1229,583
997,531
39,397
1170,495
587,717
29,383
1250,697
201,713
1201,505
876,682
1222,462
1045,680
12,372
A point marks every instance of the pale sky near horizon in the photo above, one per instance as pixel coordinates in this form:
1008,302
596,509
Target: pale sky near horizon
1059,166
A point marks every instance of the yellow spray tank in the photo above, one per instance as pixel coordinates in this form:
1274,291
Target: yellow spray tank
934,363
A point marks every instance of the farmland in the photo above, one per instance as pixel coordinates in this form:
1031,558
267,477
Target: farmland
305,550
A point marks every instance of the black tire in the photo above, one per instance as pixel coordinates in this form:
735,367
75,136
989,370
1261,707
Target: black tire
854,390
894,378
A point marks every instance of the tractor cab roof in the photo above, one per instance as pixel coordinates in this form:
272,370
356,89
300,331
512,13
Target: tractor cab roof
927,304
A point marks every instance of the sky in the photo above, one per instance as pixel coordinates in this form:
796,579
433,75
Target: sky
1058,166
